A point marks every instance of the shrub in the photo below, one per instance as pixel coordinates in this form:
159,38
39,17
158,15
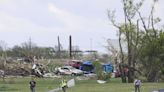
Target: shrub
101,75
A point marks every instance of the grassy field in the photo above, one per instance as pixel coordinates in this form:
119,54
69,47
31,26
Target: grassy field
43,85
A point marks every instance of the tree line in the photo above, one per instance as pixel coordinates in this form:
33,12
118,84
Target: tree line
29,50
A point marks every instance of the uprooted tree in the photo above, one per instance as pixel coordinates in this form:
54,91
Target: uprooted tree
138,33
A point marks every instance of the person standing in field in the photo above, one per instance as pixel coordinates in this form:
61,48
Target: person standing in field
137,84
32,85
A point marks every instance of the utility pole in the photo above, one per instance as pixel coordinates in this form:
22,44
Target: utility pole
70,47
59,47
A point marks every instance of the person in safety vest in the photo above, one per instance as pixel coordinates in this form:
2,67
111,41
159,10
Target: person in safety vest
63,84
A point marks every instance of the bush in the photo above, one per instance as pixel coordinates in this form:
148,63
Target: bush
101,75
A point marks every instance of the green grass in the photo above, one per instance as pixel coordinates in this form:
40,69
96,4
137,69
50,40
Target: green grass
43,85
22,85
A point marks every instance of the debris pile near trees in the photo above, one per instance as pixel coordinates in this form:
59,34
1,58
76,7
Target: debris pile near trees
17,69
21,68
2,73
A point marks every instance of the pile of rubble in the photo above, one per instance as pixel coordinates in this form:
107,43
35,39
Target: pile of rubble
16,70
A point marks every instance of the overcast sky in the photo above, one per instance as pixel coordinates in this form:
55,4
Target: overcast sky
44,20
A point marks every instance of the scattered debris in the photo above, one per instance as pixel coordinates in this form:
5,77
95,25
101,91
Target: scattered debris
101,81
51,75
55,90
160,90
87,76
82,78
91,76
2,73
38,70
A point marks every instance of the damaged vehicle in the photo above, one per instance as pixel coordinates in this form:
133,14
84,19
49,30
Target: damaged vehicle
68,70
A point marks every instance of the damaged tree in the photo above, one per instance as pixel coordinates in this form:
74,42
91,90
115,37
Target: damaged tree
128,33
131,33
3,56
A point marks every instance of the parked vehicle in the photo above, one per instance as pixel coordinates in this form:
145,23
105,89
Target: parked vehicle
75,63
116,73
87,67
107,68
68,70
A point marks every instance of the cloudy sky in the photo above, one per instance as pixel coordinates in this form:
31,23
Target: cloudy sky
44,20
